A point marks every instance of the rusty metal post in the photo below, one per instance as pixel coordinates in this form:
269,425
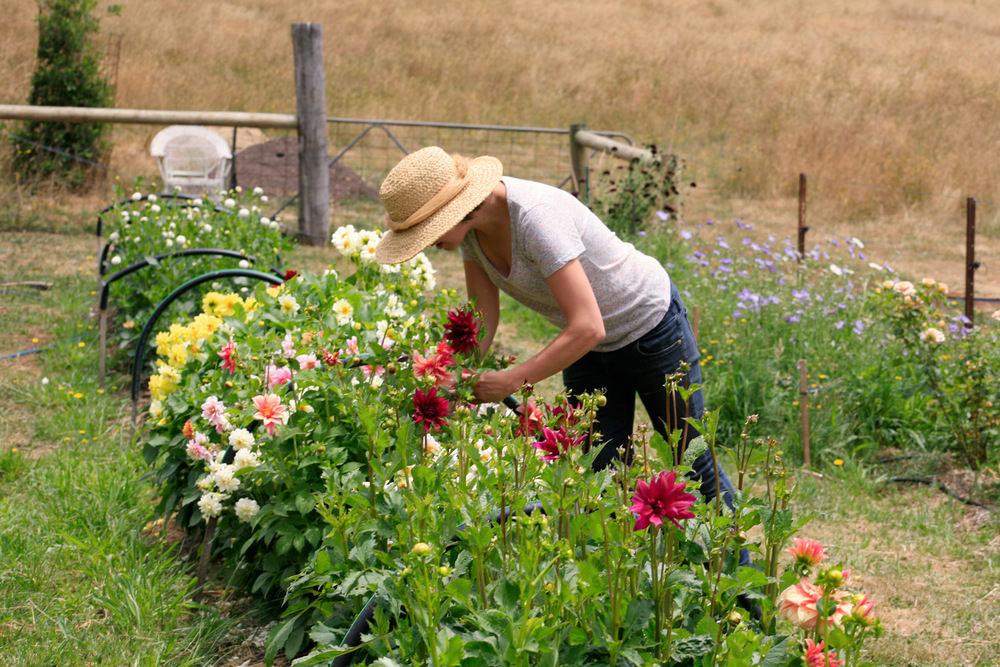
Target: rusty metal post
803,228
102,351
804,408
970,258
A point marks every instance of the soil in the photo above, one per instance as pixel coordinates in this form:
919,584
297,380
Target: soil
274,167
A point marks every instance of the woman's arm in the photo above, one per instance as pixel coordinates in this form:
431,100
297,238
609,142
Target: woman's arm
584,329
487,297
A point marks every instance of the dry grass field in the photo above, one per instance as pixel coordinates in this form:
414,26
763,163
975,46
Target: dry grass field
888,106
893,93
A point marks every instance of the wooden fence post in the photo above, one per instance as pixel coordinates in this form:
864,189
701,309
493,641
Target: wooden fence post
310,108
578,164
970,258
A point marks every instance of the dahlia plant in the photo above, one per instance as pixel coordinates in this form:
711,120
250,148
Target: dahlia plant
144,226
327,427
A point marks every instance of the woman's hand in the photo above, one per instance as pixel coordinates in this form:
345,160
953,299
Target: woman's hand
494,386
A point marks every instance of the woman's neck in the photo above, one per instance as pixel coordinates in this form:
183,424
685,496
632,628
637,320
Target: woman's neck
492,227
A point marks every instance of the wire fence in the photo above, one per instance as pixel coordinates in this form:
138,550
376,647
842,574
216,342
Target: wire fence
929,237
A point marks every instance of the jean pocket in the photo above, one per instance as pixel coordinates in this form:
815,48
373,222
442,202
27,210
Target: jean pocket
665,339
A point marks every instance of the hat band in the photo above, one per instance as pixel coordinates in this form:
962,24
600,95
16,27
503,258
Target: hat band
443,196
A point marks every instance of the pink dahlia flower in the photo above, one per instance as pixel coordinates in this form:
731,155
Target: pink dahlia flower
807,553
816,656
278,376
270,411
227,356
797,605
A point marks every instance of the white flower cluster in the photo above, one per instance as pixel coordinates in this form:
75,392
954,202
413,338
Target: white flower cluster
222,480
361,244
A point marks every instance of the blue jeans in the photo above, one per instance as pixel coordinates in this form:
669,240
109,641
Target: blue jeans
641,368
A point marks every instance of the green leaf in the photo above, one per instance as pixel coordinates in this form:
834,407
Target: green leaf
294,641
691,648
460,590
778,654
285,543
276,639
508,594
453,649
637,615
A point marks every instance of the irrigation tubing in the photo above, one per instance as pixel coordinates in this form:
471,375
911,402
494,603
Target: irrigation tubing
44,347
940,487
13,293
929,482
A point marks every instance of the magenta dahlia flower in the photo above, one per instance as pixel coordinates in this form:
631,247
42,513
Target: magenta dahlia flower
556,443
662,498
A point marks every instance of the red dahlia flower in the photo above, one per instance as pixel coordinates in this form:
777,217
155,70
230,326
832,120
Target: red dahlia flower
462,330
662,498
429,409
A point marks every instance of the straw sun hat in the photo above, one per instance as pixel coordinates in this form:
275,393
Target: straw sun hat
427,194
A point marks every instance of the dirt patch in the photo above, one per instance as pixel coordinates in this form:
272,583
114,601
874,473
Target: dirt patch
274,167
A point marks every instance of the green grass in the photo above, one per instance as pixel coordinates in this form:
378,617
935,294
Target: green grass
80,582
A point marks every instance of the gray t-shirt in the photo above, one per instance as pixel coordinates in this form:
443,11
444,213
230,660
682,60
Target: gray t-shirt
549,228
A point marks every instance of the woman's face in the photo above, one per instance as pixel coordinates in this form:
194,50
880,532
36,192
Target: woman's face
451,239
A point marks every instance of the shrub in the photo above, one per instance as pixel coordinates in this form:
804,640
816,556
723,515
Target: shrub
68,73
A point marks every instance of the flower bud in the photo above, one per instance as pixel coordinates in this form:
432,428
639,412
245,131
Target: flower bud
735,618
601,401
421,548
444,570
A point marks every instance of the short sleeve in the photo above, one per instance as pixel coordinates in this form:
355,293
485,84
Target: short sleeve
551,239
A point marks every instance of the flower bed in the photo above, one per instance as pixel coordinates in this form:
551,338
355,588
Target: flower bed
163,231
325,427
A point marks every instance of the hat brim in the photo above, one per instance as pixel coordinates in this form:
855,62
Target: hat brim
397,246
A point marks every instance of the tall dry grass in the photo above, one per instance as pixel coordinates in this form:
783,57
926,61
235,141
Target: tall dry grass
896,94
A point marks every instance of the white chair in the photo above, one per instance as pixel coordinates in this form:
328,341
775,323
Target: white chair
192,158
